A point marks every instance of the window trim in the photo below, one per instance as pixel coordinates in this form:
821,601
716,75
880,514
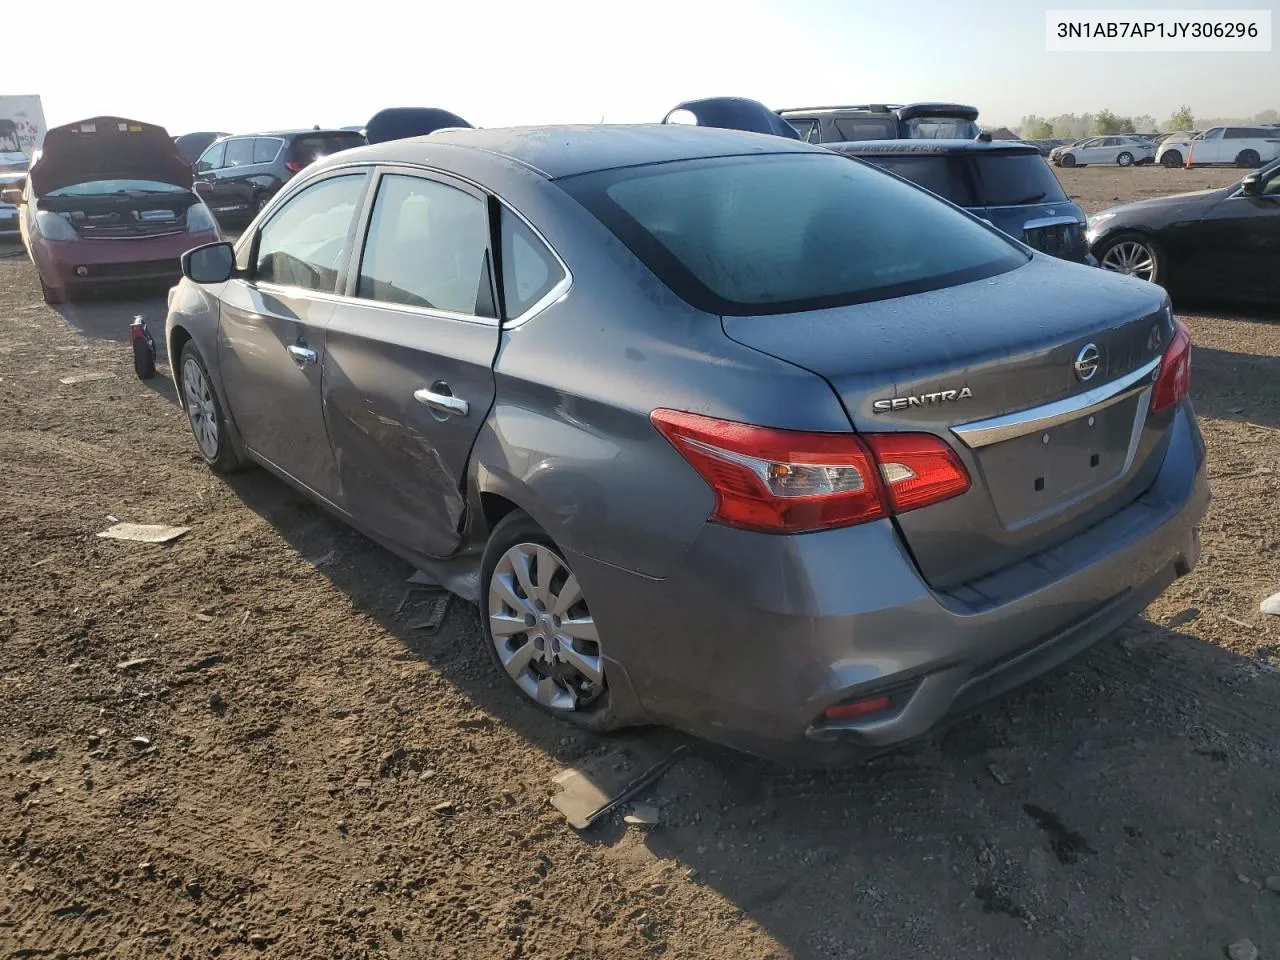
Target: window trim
373,170
209,149
276,156
250,276
231,140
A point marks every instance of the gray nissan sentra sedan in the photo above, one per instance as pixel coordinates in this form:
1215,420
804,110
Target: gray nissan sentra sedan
720,430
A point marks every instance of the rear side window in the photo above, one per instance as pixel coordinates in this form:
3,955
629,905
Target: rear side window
428,247
212,158
306,242
239,152
265,149
789,232
1011,179
946,176
808,129
866,128
312,146
529,270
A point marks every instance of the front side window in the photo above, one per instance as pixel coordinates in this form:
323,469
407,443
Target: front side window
239,152
305,243
529,270
428,246
1214,134
212,158
789,232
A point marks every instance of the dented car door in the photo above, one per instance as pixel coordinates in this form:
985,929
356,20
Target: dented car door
408,367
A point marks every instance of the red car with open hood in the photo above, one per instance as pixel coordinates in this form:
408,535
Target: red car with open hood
110,200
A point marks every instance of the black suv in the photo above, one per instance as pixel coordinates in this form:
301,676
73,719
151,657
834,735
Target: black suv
1006,183
878,121
238,175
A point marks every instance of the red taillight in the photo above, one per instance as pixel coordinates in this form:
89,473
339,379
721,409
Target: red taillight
859,708
786,481
293,166
1175,370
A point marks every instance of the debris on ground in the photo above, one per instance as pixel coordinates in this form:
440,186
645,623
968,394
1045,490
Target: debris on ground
1242,950
75,378
1271,604
604,782
444,809
140,742
643,814
134,664
998,775
143,532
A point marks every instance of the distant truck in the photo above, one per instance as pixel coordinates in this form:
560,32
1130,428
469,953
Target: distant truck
22,125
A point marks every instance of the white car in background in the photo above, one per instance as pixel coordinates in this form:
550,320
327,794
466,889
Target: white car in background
1118,150
13,173
1239,146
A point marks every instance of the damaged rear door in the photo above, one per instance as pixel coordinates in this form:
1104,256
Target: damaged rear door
408,370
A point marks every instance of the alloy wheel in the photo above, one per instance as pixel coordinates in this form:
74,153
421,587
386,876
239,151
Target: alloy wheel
200,407
1132,258
1125,159
543,630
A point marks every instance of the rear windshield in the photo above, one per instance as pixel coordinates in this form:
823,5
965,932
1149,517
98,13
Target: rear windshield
788,232
1010,179
313,146
941,128
949,177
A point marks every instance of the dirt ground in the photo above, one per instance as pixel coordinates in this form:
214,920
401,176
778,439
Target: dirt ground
242,745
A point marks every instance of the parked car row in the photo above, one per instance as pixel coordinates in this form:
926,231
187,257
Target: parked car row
884,461
1120,151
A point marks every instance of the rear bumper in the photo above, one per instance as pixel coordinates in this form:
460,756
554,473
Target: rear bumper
753,637
70,263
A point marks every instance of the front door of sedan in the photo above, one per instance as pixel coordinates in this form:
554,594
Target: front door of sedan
1237,244
271,334
408,369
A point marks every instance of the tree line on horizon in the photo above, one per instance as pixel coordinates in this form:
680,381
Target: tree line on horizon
1070,126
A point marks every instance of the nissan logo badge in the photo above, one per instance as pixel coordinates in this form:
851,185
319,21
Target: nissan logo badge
1087,362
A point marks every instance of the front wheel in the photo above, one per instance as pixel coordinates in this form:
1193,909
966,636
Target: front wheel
1248,158
1068,160
1124,158
540,627
204,414
1171,159
1133,255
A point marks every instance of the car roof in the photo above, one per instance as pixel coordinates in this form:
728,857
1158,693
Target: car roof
284,133
565,151
918,148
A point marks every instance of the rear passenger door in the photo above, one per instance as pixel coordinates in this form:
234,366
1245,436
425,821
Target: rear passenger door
235,180
408,367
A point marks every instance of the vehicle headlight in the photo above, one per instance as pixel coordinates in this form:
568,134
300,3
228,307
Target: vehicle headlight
54,227
200,220
1097,220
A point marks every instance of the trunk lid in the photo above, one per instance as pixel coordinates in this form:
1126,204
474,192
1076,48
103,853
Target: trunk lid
108,148
990,367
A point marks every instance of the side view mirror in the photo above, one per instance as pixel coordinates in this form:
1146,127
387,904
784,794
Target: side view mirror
1250,186
211,263
11,195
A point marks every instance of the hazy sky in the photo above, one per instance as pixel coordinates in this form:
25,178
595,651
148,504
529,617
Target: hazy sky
257,64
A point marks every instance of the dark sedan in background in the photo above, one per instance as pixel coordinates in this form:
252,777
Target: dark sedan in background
1007,183
721,430
237,175
1223,244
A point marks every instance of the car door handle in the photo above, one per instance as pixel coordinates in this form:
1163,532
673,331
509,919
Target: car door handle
443,402
301,354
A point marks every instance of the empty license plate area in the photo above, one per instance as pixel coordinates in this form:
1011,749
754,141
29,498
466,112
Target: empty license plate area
1031,475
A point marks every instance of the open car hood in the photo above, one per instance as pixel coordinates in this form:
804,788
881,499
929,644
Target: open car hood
398,123
732,113
107,148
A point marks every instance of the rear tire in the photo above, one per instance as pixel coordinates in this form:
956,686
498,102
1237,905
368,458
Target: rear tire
1171,159
1249,159
1124,158
1068,159
520,552
204,413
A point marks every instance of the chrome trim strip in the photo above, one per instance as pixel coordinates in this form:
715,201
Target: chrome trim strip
983,433
552,295
401,308
1052,222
